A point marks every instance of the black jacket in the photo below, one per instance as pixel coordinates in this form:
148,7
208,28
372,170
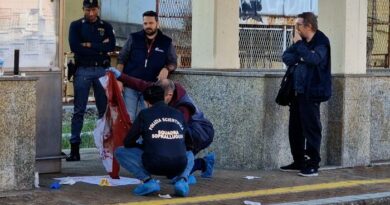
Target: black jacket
164,135
82,31
312,75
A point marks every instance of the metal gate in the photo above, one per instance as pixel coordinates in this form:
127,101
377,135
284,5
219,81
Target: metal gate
175,18
262,46
378,35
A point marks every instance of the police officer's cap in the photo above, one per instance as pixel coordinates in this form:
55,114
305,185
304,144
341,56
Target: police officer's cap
90,3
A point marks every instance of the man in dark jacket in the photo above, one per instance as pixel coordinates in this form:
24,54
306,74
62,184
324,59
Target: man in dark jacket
90,39
199,127
148,55
164,147
310,54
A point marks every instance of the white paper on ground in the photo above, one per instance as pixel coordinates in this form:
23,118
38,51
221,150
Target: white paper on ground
96,180
251,202
251,177
165,196
68,181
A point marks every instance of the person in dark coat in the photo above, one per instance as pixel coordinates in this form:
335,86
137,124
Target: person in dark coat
310,54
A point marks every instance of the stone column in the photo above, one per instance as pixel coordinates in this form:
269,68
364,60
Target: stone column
17,132
215,34
345,23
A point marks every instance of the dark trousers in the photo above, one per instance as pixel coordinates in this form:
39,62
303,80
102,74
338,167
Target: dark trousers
305,131
85,78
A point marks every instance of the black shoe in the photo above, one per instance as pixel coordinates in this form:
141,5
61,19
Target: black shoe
293,167
72,158
74,153
308,172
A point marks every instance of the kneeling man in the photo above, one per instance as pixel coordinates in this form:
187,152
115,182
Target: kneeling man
165,149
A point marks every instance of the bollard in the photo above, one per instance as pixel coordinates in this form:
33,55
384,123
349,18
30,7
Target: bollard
16,62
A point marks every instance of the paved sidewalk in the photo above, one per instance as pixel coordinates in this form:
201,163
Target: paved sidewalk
361,185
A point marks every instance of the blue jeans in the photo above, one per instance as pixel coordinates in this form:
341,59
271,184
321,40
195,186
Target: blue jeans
85,78
131,160
134,102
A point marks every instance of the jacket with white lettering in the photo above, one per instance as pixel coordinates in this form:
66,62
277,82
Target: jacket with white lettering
199,127
163,131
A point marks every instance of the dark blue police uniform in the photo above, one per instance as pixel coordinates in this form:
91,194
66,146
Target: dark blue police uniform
91,63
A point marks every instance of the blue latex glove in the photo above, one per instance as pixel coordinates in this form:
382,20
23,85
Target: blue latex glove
55,185
115,71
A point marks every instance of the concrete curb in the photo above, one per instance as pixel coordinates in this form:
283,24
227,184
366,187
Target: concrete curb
375,198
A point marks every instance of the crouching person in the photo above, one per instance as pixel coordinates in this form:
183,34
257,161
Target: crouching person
165,148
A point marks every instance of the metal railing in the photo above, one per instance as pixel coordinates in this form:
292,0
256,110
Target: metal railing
262,46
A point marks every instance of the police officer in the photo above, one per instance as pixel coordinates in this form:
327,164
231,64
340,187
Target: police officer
90,39
164,147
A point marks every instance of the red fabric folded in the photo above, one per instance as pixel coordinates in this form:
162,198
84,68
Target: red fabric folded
113,127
